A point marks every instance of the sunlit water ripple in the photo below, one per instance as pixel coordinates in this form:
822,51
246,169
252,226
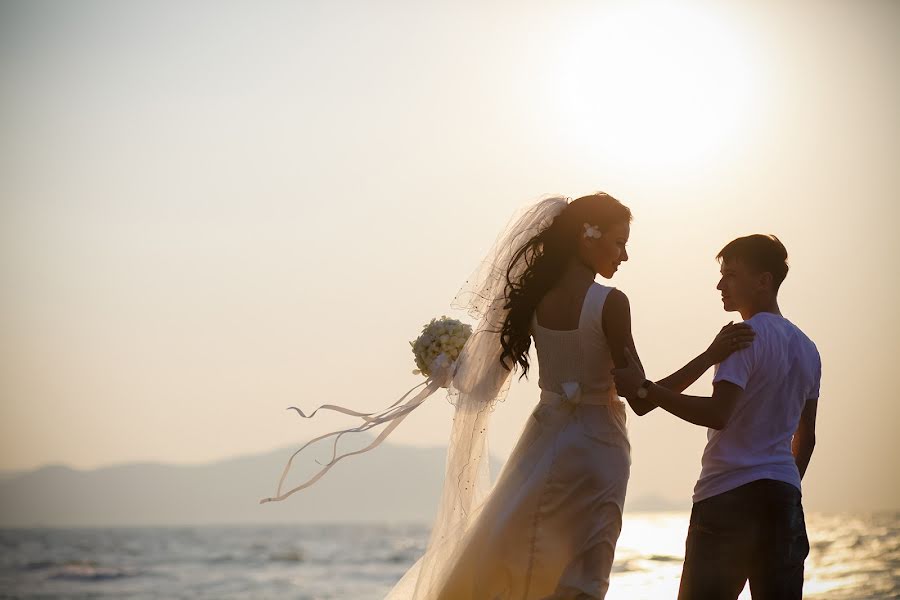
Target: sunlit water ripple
852,556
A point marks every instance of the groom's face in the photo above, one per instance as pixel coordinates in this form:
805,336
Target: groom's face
737,285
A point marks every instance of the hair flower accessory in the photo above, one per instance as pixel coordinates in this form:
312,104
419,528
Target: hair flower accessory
592,231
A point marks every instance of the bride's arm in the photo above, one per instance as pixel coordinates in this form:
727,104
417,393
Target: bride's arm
729,340
684,377
617,328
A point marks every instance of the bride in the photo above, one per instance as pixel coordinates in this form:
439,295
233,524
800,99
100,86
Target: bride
548,528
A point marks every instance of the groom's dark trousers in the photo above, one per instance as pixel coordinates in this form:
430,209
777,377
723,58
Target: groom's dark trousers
755,532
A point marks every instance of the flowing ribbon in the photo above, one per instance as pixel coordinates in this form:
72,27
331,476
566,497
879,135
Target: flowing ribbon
393,415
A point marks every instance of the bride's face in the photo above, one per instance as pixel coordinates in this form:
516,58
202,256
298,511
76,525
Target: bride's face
604,255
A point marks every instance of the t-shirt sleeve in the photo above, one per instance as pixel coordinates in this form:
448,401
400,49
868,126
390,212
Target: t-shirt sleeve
817,379
736,369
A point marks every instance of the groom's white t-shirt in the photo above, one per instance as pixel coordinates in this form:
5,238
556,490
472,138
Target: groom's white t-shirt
779,372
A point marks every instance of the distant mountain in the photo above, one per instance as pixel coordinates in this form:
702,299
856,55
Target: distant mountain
392,483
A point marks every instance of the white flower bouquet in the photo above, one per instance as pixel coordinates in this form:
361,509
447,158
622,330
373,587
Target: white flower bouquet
439,345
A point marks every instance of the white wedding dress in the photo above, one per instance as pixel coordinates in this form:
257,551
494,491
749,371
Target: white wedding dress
548,528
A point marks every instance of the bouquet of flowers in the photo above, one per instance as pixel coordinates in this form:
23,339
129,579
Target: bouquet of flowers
439,345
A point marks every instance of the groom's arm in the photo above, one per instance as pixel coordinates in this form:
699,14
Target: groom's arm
712,412
804,440
708,411
731,378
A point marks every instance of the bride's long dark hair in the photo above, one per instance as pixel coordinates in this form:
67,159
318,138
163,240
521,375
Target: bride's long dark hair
546,256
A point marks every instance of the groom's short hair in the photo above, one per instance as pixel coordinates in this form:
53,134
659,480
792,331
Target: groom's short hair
763,253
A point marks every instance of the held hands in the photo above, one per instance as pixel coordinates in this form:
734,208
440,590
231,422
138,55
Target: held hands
630,377
731,338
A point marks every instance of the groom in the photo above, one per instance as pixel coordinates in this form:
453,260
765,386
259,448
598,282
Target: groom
747,520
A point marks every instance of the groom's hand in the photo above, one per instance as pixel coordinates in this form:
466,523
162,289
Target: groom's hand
630,377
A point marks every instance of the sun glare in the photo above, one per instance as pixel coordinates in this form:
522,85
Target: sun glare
656,85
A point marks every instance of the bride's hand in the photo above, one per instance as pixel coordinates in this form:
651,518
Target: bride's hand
731,338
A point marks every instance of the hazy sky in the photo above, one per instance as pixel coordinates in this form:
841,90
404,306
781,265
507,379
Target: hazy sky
212,210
